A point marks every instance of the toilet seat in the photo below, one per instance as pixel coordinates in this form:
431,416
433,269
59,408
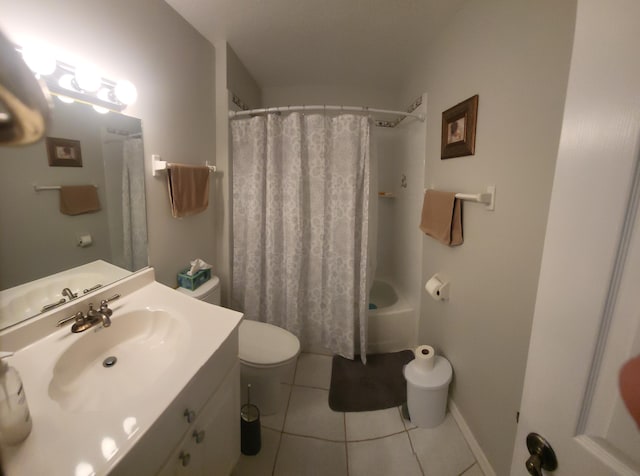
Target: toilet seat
266,345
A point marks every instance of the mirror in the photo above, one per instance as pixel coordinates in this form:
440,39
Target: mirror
37,240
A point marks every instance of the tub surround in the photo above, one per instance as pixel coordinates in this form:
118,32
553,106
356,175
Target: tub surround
392,325
136,432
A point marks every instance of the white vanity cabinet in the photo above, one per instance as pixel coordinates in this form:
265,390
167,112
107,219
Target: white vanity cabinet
208,406
212,443
177,373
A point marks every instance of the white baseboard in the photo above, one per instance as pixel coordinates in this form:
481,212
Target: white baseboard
481,458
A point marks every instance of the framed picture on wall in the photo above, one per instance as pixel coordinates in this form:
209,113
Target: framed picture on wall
64,152
459,129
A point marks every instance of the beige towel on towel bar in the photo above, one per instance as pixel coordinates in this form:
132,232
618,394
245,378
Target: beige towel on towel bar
442,217
79,199
188,189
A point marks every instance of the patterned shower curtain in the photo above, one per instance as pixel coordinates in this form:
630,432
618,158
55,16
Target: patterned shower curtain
134,220
300,226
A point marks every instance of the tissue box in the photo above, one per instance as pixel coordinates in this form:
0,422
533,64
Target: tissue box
193,282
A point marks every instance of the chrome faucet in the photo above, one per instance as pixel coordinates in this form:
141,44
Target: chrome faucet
93,316
103,314
66,292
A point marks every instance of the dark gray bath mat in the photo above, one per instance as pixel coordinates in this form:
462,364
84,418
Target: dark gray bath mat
380,384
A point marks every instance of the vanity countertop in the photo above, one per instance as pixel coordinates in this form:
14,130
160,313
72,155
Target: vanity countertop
90,434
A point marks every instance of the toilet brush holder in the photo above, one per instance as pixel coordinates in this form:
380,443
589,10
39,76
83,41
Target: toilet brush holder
250,439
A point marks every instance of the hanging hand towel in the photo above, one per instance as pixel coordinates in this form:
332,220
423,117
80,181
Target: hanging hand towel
79,199
188,189
442,217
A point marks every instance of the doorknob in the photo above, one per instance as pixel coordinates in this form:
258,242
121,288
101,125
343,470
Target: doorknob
542,455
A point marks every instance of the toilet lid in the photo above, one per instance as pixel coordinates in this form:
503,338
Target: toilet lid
265,344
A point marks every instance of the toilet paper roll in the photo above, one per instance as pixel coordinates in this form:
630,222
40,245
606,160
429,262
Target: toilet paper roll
434,288
425,357
84,241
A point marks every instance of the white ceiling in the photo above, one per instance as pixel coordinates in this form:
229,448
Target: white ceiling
308,42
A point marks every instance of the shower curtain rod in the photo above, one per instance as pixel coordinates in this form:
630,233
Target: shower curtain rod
364,109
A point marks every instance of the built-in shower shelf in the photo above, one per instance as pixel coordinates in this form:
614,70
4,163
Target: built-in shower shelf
386,195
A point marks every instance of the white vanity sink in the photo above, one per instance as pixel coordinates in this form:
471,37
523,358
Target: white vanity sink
33,297
140,346
27,300
172,354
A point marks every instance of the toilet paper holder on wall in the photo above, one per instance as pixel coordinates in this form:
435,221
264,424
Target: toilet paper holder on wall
437,288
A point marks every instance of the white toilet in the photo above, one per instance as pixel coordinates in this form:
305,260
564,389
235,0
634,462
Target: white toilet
266,352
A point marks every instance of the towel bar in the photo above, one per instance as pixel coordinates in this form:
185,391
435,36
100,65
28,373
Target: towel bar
158,165
488,197
40,188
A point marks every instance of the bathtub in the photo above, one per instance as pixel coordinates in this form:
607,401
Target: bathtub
392,324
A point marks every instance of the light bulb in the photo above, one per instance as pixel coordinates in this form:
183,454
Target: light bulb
66,82
126,92
100,109
39,61
104,95
88,78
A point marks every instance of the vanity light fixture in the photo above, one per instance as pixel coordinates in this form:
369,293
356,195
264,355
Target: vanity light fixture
82,83
39,61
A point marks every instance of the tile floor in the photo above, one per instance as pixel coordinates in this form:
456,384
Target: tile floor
307,438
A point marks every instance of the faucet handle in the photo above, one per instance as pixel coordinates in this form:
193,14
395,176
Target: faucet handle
104,302
78,317
104,307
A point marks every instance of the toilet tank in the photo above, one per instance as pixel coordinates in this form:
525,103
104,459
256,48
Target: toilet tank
208,292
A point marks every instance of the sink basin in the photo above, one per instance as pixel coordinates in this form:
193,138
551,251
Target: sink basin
27,300
144,342
33,298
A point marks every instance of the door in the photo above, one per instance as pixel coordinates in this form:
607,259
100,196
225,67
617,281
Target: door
587,316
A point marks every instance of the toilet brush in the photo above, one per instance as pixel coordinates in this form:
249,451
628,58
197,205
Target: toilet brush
250,441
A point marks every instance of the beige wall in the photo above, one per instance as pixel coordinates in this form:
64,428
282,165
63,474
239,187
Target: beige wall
222,191
231,77
173,67
515,55
345,94
240,81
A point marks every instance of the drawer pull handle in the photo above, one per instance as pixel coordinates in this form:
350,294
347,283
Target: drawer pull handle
185,458
198,436
190,415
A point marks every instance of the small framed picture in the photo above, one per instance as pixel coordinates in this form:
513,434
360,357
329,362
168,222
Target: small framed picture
459,129
64,152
